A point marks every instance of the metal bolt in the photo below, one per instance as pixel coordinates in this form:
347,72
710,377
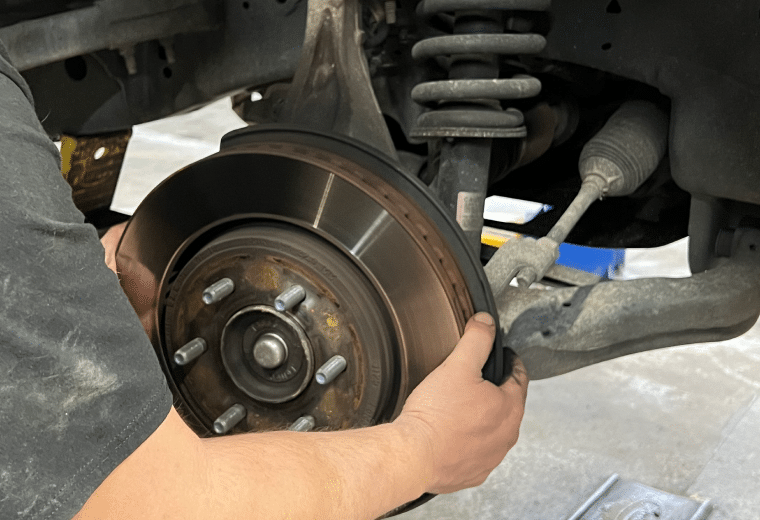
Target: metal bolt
290,298
270,350
330,370
218,290
190,351
128,53
303,424
390,12
703,511
525,277
230,418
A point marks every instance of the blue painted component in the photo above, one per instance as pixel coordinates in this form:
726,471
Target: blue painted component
601,262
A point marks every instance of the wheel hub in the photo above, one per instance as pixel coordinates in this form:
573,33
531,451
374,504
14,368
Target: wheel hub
261,328
259,356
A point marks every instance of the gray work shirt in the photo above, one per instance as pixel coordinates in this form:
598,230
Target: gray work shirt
80,386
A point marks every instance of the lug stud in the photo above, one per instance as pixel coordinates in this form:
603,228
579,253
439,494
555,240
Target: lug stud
229,419
190,351
290,298
303,424
218,290
330,370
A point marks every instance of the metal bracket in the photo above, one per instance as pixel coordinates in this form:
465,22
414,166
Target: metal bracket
331,89
107,24
618,498
557,331
91,165
462,183
518,254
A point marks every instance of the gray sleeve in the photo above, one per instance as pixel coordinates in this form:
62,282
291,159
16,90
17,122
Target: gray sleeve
80,385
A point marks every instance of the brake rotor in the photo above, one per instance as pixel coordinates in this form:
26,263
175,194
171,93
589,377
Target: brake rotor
384,283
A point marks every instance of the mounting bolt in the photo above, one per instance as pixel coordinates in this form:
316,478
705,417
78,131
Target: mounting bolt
390,11
290,298
330,370
525,277
229,419
128,53
218,290
190,351
270,350
303,424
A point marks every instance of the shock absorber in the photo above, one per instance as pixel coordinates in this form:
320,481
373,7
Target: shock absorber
466,107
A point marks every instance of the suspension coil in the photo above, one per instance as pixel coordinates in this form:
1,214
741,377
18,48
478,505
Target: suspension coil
467,104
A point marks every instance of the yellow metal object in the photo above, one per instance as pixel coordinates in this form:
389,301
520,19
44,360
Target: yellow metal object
495,237
68,145
492,240
91,166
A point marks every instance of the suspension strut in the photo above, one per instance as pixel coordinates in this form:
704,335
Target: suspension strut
466,109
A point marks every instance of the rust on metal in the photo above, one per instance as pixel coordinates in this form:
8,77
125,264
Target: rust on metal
91,165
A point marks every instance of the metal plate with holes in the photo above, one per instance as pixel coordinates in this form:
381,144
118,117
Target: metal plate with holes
266,358
91,166
620,499
388,281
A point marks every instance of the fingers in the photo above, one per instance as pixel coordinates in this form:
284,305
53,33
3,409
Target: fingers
112,237
473,349
518,380
110,242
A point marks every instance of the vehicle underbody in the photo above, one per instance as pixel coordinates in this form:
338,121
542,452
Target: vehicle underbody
377,129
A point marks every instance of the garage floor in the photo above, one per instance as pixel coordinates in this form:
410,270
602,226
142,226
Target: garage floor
685,420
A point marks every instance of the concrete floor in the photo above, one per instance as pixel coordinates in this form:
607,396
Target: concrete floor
685,420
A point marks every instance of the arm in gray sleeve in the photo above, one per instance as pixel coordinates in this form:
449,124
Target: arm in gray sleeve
80,386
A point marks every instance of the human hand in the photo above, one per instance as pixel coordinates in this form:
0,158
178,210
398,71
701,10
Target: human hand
138,282
110,241
466,424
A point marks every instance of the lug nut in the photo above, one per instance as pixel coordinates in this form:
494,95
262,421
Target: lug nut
290,298
218,290
303,424
330,370
190,351
230,418
270,350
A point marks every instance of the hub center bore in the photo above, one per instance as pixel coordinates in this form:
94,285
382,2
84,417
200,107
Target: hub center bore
267,354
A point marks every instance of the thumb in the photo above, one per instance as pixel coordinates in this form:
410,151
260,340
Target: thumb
477,341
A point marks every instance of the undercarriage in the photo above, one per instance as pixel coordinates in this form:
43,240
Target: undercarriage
326,259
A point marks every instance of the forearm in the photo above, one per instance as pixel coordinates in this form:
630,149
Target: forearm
351,474
454,429
358,474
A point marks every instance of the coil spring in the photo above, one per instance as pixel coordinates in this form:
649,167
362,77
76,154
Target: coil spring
468,103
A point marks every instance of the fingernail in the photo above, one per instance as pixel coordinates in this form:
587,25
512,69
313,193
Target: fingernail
484,318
